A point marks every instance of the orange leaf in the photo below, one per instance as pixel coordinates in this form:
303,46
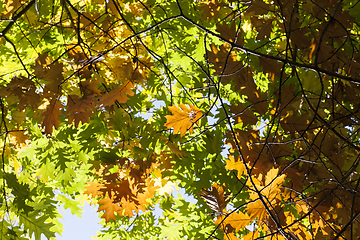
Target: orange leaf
231,236
51,116
273,183
129,207
147,195
237,221
271,191
107,205
94,189
251,235
118,94
183,119
18,138
256,210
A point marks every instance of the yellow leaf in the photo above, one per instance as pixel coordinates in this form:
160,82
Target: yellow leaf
183,119
236,220
271,191
251,235
257,210
231,164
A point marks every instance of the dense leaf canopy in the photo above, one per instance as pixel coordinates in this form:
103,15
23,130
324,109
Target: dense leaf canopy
252,107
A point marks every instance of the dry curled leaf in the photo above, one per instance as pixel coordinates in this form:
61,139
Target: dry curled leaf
216,199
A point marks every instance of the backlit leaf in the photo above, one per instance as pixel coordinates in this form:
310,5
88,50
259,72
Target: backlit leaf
119,94
183,118
51,116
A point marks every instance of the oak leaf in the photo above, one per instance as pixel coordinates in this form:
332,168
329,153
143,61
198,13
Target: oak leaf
94,189
233,164
257,210
123,190
10,7
129,207
109,207
50,71
175,149
166,159
216,199
258,7
118,94
271,191
234,220
252,235
80,109
18,138
88,88
271,66
149,193
51,116
211,9
225,62
264,28
183,118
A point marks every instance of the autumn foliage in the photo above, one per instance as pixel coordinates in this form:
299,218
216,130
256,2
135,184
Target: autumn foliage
249,107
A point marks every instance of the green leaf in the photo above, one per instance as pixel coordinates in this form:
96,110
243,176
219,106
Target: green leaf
36,225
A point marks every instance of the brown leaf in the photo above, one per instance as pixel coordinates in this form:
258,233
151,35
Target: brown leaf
216,199
166,161
175,149
230,32
80,109
123,190
211,9
118,94
224,62
264,28
88,88
10,7
50,71
51,116
243,115
258,7
271,66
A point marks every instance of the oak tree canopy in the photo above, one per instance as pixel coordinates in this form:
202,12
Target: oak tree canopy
252,107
